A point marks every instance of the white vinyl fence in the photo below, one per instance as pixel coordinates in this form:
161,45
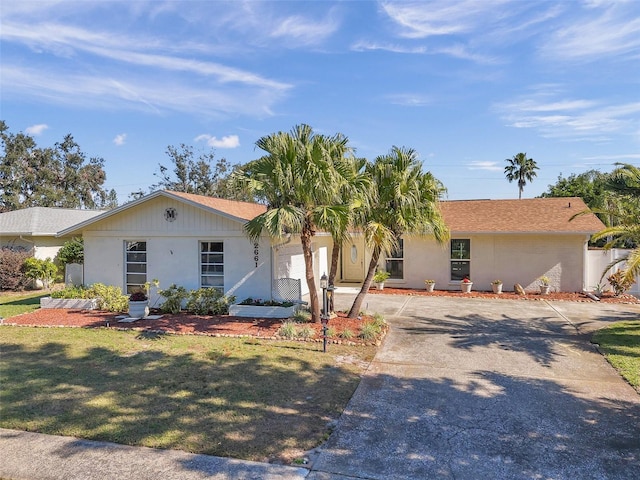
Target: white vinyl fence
597,261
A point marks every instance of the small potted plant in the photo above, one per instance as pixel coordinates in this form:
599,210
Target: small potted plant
465,285
430,285
496,285
139,300
545,285
380,277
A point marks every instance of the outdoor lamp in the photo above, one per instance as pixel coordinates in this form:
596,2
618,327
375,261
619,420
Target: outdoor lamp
324,283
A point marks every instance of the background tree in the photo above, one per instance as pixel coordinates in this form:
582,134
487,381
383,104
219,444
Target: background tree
201,176
406,202
59,176
522,169
301,179
624,182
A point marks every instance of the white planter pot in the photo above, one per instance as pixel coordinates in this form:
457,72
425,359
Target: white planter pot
380,286
430,286
138,309
544,289
497,287
466,287
254,311
75,303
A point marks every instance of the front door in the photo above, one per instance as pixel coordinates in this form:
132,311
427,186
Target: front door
353,260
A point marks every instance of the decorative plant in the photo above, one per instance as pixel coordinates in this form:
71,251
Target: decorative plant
209,301
497,282
71,252
37,269
544,281
258,302
466,280
142,293
429,281
174,295
380,276
618,282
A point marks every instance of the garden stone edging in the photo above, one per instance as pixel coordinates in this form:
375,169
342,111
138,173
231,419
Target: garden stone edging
75,303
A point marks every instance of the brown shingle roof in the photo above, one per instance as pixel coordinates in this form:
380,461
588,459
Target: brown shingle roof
241,210
535,215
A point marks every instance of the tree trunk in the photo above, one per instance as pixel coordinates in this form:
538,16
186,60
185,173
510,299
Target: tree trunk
314,303
357,303
335,256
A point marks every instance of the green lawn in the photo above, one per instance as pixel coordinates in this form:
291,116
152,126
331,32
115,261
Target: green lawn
250,399
12,304
620,343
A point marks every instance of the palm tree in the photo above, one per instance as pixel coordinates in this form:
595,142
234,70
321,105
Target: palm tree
301,179
522,169
406,201
624,181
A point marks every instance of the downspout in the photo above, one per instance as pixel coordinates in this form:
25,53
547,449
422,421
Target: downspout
31,242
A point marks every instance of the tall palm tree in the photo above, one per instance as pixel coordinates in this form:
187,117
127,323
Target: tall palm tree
301,179
406,201
522,169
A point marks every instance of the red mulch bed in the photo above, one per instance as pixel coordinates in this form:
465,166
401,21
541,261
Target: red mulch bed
559,296
260,327
178,324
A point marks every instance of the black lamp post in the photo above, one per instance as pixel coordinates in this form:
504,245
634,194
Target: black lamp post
324,318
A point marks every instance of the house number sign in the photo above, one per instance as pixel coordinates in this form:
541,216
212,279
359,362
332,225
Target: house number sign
256,253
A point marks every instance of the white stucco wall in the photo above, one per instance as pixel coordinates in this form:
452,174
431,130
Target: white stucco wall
43,247
173,249
510,258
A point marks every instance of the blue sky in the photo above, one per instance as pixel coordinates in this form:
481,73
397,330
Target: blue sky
466,84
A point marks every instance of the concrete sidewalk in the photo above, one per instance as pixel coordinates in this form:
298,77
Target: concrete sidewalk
461,388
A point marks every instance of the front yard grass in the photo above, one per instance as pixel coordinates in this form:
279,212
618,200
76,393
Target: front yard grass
14,304
620,344
232,397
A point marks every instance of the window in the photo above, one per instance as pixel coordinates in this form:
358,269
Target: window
212,265
395,262
135,265
460,258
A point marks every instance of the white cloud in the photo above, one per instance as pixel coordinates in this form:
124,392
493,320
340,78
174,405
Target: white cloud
120,139
409,99
228,141
490,166
305,30
571,119
604,30
36,129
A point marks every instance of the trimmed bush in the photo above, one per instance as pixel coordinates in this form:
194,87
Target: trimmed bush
174,297
209,301
12,276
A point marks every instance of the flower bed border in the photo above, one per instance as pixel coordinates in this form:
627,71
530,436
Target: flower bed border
69,303
262,311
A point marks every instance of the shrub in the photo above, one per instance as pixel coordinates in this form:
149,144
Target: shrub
71,292
288,330
369,331
11,275
306,331
205,301
71,252
302,316
346,334
109,298
174,297
331,331
38,269
619,284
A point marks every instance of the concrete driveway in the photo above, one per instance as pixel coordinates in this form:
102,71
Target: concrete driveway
487,389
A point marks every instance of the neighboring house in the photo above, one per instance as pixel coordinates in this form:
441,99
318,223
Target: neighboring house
35,228
196,241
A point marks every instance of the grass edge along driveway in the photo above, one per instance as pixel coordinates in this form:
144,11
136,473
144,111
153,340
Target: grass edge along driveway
231,397
620,344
